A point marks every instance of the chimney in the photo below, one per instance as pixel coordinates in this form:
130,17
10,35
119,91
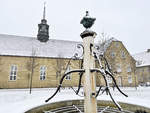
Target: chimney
148,50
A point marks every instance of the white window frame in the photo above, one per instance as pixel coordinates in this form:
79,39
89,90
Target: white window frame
43,72
129,68
119,68
117,44
13,73
68,77
140,70
123,54
113,54
129,79
109,79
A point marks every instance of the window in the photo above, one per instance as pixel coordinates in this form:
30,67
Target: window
142,70
137,70
42,72
113,54
117,44
68,77
140,78
13,72
119,68
130,79
148,69
138,62
122,54
129,68
109,79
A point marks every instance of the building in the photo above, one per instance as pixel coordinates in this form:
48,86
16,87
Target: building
36,62
41,62
121,62
143,67
22,56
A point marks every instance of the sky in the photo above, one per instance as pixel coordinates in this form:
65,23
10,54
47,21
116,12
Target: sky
126,20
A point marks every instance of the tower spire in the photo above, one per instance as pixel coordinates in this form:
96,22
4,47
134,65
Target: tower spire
44,12
43,28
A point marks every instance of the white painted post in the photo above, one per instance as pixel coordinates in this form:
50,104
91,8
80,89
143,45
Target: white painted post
90,102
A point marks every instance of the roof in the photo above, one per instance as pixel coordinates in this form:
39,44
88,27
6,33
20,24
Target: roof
30,46
143,59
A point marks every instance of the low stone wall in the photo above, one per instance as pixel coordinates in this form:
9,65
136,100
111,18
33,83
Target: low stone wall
47,107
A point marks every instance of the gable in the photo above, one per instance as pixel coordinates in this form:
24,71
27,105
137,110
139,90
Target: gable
118,48
116,53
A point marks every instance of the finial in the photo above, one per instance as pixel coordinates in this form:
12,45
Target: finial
87,21
87,13
44,10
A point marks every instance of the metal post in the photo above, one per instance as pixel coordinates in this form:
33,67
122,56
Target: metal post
90,102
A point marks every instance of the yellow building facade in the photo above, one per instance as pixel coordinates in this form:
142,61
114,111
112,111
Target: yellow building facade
41,62
15,72
143,67
31,62
121,63
26,60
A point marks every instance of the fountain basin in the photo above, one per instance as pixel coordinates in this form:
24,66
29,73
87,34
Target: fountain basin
69,107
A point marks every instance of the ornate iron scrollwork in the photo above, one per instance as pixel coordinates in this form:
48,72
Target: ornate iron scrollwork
103,71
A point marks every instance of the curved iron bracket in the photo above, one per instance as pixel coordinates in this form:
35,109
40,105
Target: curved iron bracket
80,46
79,86
107,88
61,81
115,83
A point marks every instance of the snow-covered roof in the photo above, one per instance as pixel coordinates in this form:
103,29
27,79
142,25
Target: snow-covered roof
104,45
30,46
143,59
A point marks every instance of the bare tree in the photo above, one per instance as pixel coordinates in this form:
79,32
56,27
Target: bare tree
62,66
103,40
103,43
31,65
59,68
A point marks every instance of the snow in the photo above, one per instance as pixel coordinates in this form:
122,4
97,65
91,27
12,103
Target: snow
143,59
30,46
19,100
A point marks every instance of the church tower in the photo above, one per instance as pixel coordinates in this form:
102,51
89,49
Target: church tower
43,29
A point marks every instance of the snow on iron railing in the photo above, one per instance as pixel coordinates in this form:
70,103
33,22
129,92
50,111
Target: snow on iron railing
77,108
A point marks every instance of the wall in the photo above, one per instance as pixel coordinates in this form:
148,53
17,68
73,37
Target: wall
119,64
143,74
24,73
56,68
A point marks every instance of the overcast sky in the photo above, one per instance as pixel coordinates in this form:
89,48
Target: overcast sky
126,20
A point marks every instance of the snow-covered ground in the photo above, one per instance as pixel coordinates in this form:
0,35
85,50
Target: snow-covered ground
19,100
